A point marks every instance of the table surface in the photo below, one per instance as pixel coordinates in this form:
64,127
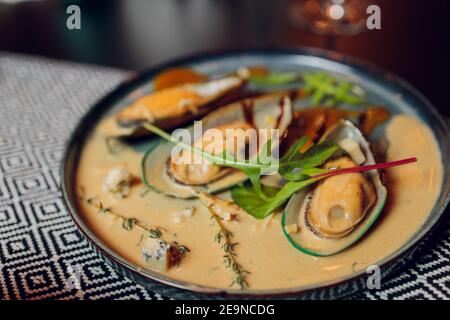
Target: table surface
413,41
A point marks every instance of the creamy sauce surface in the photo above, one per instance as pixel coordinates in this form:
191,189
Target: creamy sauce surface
263,250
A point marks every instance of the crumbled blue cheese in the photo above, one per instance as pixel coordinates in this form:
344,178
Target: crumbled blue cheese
156,254
118,182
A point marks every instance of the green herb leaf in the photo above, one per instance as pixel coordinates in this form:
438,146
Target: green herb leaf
263,160
294,150
128,224
224,239
101,208
330,91
259,208
317,155
275,78
254,177
294,163
155,233
294,167
300,175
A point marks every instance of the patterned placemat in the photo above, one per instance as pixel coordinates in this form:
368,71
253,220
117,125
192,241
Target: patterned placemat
40,102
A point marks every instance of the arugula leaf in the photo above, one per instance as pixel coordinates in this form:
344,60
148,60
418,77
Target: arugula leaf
253,175
317,154
294,150
324,89
263,160
295,167
299,175
275,78
294,163
330,91
259,208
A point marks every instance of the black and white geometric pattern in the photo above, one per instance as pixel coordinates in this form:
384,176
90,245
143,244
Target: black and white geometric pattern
40,248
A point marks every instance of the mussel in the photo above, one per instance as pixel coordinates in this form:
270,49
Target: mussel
171,107
186,180
331,215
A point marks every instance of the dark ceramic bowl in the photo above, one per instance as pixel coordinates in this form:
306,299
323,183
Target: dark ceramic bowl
383,88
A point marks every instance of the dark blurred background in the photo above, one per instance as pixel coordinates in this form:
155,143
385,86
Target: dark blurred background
134,34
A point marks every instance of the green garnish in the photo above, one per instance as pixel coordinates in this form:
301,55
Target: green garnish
275,78
295,167
129,223
323,88
155,233
103,209
224,238
330,91
262,163
300,166
259,207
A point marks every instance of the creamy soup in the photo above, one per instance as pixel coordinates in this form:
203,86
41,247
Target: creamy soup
262,248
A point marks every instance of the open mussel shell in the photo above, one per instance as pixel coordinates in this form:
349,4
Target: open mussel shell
172,107
306,238
267,112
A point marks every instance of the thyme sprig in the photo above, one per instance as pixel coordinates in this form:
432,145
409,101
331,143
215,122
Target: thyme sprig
224,238
155,233
129,223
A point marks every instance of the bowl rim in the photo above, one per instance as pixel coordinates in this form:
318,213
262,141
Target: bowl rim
370,70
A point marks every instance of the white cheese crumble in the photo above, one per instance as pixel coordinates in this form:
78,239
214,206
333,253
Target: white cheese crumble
179,216
118,182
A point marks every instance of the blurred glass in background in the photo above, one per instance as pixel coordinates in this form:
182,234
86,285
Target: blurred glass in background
337,17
